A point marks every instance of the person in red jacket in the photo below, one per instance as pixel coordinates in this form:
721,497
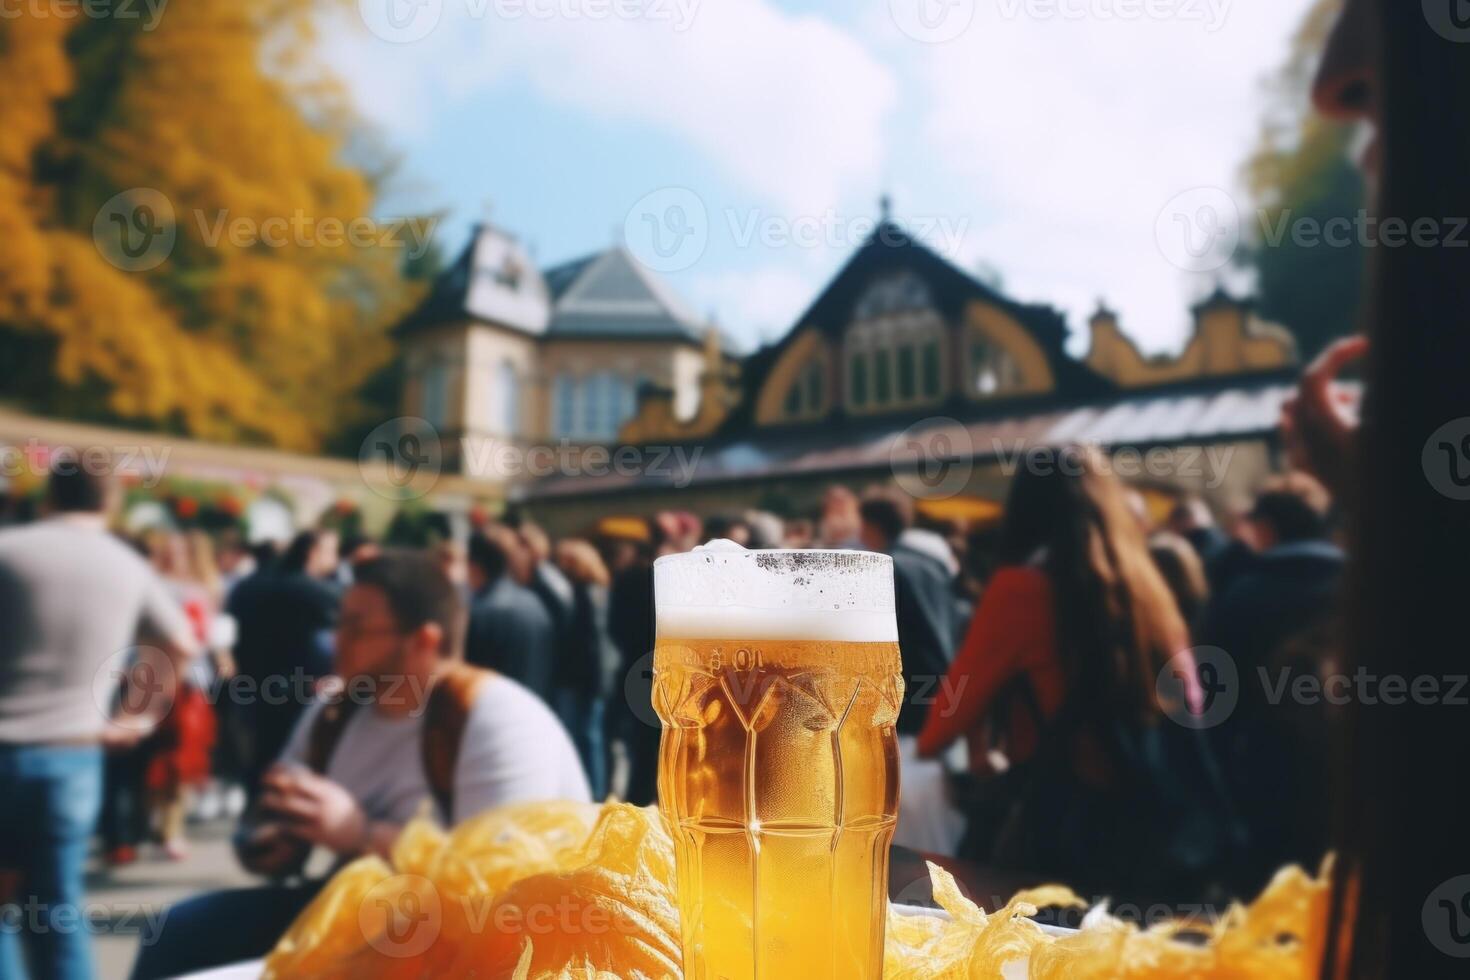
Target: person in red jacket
1075,599
1073,630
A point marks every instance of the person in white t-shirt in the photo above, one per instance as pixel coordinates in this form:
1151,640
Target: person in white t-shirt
356,770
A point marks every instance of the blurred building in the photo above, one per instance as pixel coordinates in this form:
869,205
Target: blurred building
501,352
613,400
906,365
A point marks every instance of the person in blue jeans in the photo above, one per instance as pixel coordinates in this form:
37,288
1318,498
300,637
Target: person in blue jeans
73,601
52,796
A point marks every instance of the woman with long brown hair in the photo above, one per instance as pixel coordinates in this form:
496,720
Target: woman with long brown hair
1060,673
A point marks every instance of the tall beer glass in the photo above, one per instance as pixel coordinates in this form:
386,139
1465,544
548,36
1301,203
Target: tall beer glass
776,676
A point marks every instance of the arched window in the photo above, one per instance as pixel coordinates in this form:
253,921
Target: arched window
630,396
508,396
564,410
614,402
434,395
993,369
894,359
593,400
807,396
593,408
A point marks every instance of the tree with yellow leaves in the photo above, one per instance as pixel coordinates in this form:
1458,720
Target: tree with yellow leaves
185,240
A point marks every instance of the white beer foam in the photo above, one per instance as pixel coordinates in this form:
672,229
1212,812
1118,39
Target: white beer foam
722,591
752,623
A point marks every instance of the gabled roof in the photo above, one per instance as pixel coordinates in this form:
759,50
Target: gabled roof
611,294
606,295
890,250
560,277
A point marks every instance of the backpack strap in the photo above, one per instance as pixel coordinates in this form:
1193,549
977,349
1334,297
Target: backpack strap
326,732
445,720
446,716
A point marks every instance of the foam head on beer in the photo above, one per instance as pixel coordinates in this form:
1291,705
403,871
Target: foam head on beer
723,591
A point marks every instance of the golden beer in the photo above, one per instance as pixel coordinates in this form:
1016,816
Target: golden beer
779,764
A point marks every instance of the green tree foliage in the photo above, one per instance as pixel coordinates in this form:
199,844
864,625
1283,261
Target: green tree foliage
1301,178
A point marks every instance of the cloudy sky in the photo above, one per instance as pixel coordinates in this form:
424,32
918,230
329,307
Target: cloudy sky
741,146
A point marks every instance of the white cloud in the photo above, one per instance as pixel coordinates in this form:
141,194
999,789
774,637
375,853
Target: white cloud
1057,139
1075,133
758,305
791,107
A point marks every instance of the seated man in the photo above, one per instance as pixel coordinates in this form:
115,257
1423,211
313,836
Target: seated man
412,724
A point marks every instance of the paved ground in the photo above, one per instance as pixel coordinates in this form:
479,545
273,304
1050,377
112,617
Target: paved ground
135,897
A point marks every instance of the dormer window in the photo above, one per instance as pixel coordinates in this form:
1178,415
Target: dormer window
807,396
509,274
993,369
895,360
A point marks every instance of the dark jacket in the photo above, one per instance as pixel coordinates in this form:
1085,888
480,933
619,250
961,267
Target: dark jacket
511,632
1274,621
630,616
593,664
556,594
285,622
923,590
1277,601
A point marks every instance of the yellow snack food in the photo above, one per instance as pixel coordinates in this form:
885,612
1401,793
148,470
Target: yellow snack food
615,915
577,892
327,932
1280,936
371,919
971,942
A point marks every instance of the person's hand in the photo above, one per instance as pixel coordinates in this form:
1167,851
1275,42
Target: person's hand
313,808
120,738
270,849
1319,424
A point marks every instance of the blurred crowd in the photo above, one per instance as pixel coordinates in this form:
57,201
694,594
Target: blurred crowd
1064,673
